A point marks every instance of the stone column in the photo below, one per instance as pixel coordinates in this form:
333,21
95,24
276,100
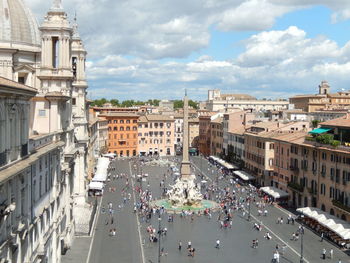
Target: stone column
185,164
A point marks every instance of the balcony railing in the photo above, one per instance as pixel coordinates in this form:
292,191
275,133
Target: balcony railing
2,158
296,186
312,191
341,205
294,169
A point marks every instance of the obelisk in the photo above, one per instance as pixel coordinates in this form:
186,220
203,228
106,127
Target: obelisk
185,164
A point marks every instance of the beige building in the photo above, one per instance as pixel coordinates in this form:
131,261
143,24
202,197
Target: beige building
317,174
193,130
226,102
259,147
156,135
323,100
216,136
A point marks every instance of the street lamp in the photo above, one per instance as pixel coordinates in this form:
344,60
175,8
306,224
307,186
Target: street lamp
249,201
159,235
302,240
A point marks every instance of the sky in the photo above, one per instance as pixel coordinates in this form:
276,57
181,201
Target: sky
158,48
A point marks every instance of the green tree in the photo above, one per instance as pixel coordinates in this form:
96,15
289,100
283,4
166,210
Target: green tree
315,123
99,102
114,102
193,104
178,104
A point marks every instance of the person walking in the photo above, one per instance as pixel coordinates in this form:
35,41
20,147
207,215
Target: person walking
180,245
189,245
217,244
322,236
324,251
331,253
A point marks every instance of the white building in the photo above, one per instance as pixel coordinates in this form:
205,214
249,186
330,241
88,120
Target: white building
46,190
178,132
225,102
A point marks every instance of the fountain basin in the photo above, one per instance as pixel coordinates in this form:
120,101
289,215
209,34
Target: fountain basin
198,207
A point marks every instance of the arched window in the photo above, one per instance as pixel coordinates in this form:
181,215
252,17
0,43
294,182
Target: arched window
128,128
134,128
121,128
115,129
109,128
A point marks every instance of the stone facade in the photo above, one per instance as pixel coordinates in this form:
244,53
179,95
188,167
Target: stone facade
156,135
46,189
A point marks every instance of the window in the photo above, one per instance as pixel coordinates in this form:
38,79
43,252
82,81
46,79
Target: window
134,121
121,121
127,121
115,129
115,121
128,128
74,101
121,128
42,113
55,50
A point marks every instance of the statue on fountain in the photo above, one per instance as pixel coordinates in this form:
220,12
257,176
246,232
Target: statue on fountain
184,192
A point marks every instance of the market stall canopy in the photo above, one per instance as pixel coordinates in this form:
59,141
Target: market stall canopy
320,130
336,225
244,176
101,170
223,163
274,192
96,186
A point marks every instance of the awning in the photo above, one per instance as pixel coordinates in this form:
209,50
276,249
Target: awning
101,170
274,192
243,175
336,225
96,186
320,130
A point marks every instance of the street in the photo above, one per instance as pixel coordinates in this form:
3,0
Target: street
131,242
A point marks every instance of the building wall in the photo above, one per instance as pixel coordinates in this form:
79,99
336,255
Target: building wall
156,137
256,105
317,176
216,138
193,130
204,135
122,135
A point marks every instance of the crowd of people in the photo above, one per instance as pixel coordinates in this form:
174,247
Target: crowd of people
233,199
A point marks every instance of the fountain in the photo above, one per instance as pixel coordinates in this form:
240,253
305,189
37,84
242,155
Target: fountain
184,194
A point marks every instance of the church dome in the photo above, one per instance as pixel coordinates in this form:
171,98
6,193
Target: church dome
18,24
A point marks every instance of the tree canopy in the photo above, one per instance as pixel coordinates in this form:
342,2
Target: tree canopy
130,103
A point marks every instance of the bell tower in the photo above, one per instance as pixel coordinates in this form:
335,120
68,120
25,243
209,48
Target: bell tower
324,88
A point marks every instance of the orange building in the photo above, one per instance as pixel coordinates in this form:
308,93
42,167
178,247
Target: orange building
122,133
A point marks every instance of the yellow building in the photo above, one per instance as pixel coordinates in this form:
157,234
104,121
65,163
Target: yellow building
323,100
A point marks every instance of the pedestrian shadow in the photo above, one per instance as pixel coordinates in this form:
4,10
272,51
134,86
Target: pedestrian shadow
286,259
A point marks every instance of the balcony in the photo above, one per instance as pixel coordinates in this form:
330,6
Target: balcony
295,169
341,205
312,191
296,186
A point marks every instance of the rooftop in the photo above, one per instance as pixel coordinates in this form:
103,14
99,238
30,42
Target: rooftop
4,82
119,114
343,121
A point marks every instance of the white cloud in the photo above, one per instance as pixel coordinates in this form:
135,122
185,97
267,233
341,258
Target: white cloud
132,43
274,63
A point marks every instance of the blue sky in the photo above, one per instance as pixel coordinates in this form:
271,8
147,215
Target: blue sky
267,48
